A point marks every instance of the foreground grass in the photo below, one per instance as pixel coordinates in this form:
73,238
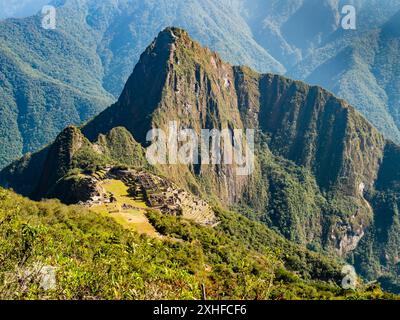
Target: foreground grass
96,258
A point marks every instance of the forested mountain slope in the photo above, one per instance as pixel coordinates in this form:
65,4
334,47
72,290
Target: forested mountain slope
324,176
52,78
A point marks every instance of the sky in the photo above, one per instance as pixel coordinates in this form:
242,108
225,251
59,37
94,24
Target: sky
20,8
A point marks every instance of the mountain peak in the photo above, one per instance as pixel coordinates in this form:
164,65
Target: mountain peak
161,67
173,38
174,32
168,39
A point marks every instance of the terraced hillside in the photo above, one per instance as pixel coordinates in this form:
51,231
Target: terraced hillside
129,212
127,195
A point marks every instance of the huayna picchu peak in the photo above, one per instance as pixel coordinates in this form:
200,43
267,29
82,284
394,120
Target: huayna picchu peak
323,176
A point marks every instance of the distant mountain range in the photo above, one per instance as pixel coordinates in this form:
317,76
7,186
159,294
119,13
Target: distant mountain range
307,38
324,177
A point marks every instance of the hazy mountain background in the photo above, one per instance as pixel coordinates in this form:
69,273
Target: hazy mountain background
52,78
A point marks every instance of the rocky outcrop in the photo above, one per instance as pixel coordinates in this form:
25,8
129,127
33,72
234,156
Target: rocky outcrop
75,189
59,159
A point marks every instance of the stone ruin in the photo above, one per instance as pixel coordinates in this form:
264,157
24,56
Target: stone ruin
163,195
158,193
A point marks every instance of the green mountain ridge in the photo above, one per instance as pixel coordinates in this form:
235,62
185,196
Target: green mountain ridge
321,176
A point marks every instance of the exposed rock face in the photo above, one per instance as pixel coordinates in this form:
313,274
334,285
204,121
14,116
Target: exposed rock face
80,188
305,124
346,237
177,79
350,241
